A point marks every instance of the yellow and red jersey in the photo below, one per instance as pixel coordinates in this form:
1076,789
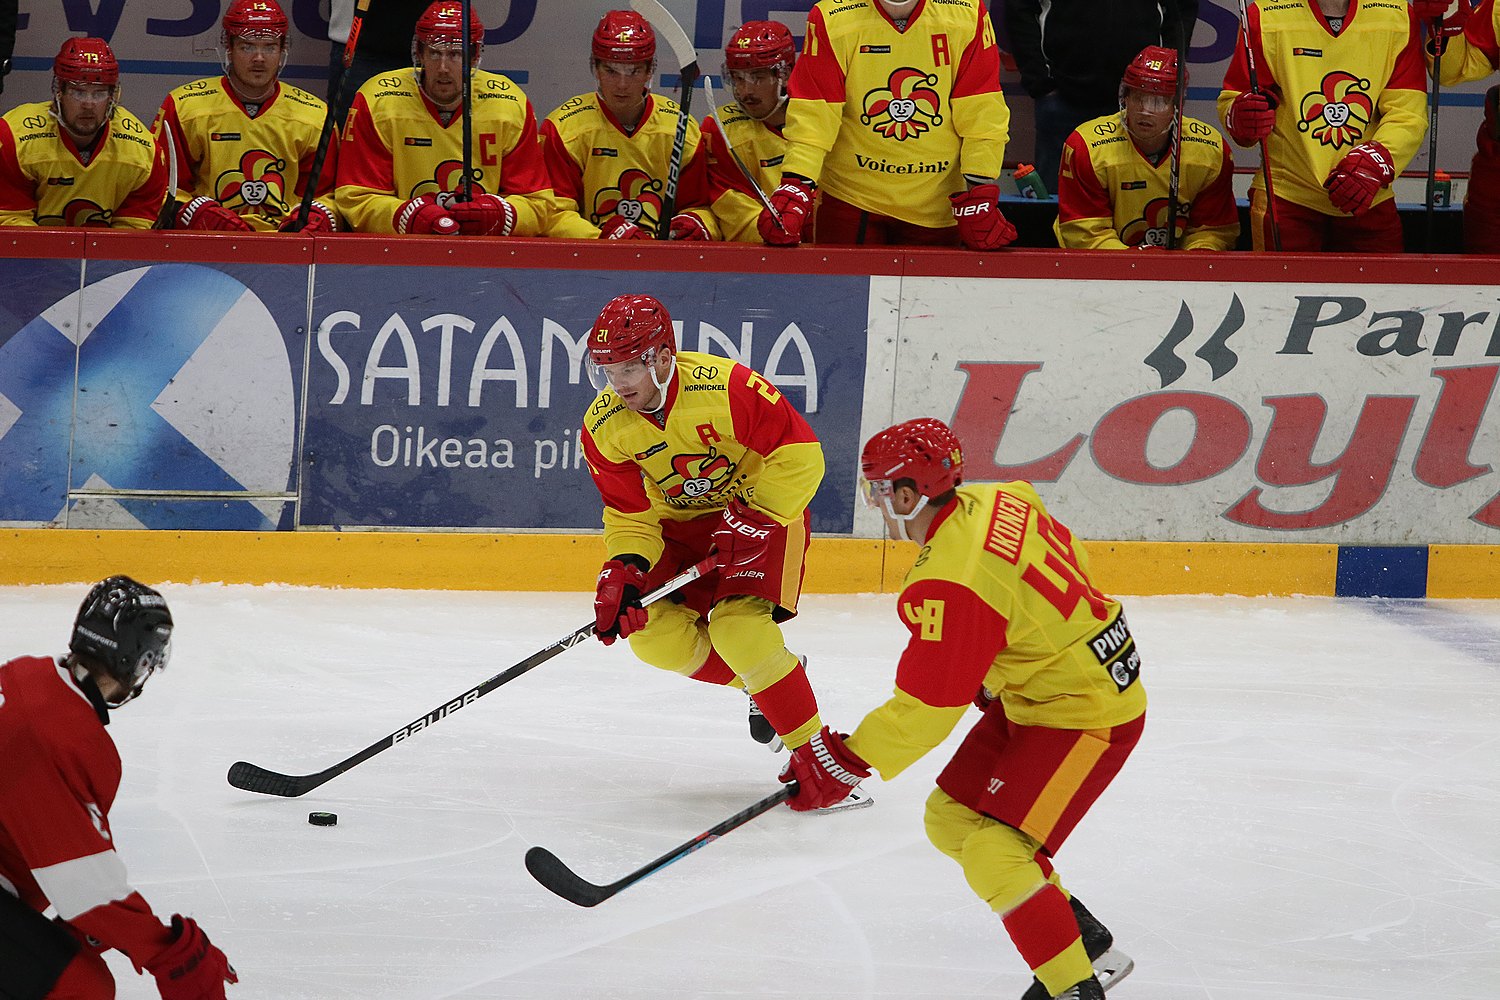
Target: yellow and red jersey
1001,596
1333,91
892,119
257,166
599,170
1111,196
399,145
761,149
1475,54
46,180
724,432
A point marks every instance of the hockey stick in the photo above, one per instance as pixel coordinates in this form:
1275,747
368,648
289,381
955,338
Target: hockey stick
315,172
1435,32
713,111
1184,32
549,870
687,56
167,217
468,124
1265,157
254,778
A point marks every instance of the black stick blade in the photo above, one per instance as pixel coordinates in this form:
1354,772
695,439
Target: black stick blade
253,778
548,869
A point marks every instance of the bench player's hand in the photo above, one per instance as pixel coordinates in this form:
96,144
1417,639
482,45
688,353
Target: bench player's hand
792,203
981,224
205,213
486,215
422,215
191,967
825,771
1251,118
617,227
1359,176
320,219
617,599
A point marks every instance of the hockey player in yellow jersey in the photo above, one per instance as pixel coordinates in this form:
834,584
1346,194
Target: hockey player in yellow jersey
897,118
1115,183
80,159
747,135
608,152
245,141
1001,612
694,454
401,166
1342,108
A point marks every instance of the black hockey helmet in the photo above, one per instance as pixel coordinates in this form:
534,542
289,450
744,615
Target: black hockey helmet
126,627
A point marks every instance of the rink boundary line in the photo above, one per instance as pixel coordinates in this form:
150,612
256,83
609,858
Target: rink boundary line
557,562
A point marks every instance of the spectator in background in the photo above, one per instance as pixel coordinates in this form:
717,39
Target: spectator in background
757,62
896,112
1343,109
1114,190
9,10
1472,52
402,167
245,142
384,44
80,159
609,152
1072,54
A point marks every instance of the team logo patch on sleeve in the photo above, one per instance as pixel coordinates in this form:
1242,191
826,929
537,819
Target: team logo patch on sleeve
1115,650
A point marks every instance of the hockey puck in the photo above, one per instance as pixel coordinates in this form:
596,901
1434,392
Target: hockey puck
323,819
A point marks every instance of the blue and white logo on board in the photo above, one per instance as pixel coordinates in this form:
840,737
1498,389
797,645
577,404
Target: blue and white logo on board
183,385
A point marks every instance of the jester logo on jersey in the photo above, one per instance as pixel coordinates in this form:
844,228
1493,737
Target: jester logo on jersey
1338,113
79,212
907,106
1151,229
699,475
447,181
258,184
637,199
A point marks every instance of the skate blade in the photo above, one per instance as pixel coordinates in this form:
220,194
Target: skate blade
1113,966
855,800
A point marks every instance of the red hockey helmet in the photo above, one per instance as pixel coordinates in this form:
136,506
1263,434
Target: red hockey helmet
1152,71
443,22
86,60
126,627
923,450
760,45
628,328
253,19
624,36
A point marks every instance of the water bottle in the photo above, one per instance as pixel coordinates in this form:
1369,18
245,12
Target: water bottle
1442,189
1029,182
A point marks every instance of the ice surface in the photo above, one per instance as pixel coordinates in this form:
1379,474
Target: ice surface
1311,813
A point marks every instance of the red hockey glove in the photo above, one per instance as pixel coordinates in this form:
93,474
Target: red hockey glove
793,202
205,213
617,599
423,215
981,225
486,215
742,538
1359,176
686,226
191,968
825,771
617,227
1251,118
983,699
320,219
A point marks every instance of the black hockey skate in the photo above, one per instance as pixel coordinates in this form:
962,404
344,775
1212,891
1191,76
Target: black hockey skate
1089,989
1110,964
761,730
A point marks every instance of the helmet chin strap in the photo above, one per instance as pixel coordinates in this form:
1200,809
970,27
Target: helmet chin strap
902,520
661,387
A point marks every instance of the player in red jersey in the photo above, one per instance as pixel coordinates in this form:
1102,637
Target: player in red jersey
1002,612
60,775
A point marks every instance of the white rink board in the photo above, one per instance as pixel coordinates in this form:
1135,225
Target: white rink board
1282,374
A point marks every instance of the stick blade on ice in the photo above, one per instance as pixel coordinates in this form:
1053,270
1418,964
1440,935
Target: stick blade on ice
253,778
548,869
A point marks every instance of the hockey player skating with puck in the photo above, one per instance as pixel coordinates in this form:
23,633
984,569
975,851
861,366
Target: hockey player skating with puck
999,603
691,453
59,778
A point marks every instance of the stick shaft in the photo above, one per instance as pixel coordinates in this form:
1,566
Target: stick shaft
468,109
325,138
1265,155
